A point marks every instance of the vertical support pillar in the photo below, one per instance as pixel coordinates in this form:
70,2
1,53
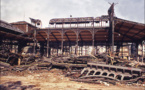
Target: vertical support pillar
11,45
122,50
118,49
41,48
143,48
77,34
82,48
57,47
70,48
111,30
48,46
129,52
93,49
76,48
137,57
62,46
85,50
15,48
34,44
93,40
48,33
107,47
96,49
112,37
62,43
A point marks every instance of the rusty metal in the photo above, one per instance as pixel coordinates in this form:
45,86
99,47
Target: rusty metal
111,72
103,67
78,20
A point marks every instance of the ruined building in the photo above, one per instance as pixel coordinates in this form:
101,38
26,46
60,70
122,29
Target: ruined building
77,36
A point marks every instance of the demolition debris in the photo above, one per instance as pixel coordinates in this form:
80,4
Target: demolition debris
104,49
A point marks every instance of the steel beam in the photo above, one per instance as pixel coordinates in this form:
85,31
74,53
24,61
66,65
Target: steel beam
42,36
138,32
127,36
54,36
130,28
67,37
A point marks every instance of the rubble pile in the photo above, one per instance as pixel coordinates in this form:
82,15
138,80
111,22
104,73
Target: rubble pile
91,69
20,62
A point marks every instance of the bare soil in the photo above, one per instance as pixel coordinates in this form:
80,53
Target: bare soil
55,80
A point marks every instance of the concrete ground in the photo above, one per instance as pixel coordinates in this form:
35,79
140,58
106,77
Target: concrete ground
54,80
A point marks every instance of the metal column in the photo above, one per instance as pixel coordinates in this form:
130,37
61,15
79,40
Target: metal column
62,43
143,48
111,29
34,51
93,40
47,46
137,57
77,45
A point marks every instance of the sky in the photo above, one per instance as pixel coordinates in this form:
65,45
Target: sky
22,10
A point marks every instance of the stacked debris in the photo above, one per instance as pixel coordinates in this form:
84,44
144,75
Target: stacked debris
93,69
26,60
102,68
110,73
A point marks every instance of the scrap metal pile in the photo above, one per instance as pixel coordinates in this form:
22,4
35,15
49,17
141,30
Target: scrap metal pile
83,68
102,68
26,60
110,73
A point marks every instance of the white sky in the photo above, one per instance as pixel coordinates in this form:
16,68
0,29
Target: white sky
19,10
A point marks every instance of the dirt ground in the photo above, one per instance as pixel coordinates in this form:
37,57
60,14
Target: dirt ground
55,80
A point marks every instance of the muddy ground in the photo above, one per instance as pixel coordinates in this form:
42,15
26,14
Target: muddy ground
52,80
